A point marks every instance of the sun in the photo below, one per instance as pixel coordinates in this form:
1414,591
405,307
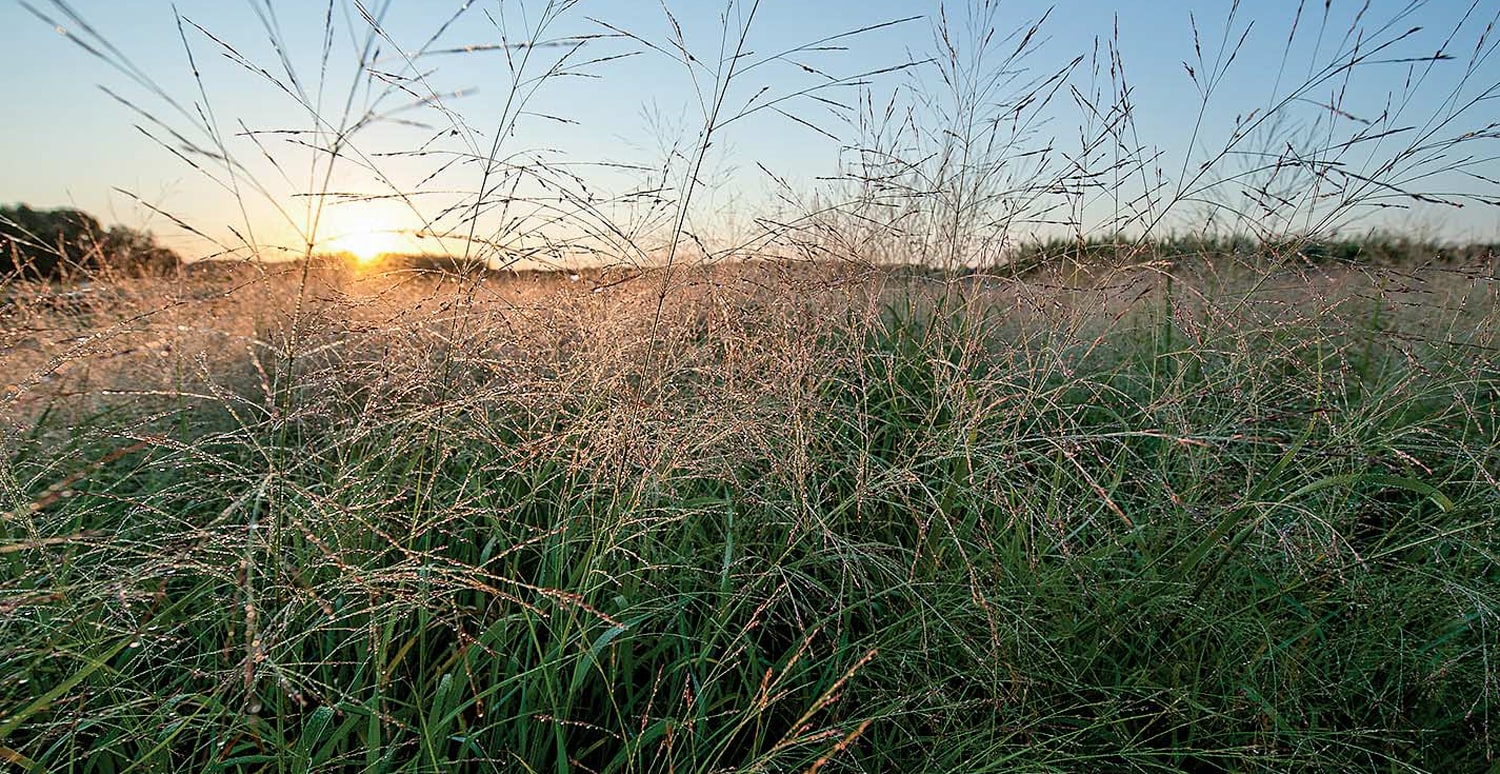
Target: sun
364,229
366,244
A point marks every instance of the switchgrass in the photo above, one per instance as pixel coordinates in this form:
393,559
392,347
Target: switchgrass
870,525
1120,503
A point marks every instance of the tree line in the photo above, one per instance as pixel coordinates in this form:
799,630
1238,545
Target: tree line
69,243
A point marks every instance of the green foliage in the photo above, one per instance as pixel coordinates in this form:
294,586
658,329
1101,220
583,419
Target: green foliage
51,244
965,542
1374,249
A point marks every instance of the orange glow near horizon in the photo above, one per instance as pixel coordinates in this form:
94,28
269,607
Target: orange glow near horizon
364,229
367,245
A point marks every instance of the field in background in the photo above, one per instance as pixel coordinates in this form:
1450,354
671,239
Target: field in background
829,518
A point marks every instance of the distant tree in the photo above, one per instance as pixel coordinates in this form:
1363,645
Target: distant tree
63,243
136,253
42,243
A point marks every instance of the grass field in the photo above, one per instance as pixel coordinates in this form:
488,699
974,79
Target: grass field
1009,437
826,519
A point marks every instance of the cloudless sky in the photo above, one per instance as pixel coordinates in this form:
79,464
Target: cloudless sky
65,142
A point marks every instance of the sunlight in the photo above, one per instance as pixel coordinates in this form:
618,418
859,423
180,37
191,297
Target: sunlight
367,245
365,229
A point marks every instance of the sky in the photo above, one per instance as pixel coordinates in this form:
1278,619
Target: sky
610,130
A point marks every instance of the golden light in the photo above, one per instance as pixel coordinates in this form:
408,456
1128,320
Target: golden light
366,229
366,245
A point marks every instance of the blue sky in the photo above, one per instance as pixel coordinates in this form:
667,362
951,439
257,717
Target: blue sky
68,143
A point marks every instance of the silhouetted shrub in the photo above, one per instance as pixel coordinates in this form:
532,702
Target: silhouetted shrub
57,244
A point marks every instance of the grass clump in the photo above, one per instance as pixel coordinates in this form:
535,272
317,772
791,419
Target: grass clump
884,527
